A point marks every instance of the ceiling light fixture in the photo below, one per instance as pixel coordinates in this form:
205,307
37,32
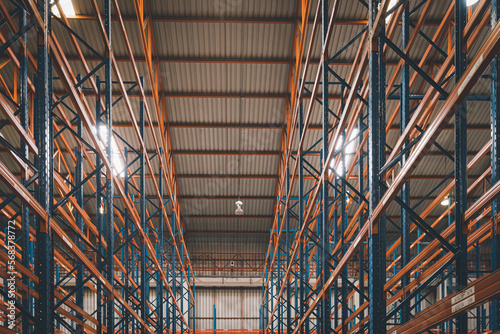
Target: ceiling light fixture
446,201
471,2
239,210
67,7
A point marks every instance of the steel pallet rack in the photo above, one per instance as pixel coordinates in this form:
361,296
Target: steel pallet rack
356,259
64,254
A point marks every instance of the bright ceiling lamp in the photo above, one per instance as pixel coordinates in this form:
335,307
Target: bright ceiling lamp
391,5
349,149
67,7
116,159
471,2
446,201
239,210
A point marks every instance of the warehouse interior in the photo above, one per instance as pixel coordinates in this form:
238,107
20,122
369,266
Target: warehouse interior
235,166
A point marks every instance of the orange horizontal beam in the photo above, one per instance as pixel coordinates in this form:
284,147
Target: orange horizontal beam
226,60
223,152
233,216
264,126
200,95
247,20
271,177
306,177
226,233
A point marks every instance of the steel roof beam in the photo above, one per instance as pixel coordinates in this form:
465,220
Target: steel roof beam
247,20
264,217
227,233
268,177
263,126
243,61
245,95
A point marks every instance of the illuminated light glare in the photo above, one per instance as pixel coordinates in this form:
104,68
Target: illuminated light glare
67,7
471,2
391,5
348,151
445,201
239,210
116,159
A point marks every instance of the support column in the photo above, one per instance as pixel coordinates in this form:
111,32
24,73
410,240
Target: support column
43,134
79,221
215,319
460,163
279,316
495,164
174,278
405,190
361,252
302,272
181,287
25,213
142,203
336,239
376,239
99,209
160,288
125,249
288,259
168,315
271,288
193,326
324,314
109,237
343,225
109,228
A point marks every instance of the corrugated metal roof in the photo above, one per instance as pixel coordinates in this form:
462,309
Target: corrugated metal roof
226,187
216,78
227,164
225,139
223,8
238,243
237,41
225,111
